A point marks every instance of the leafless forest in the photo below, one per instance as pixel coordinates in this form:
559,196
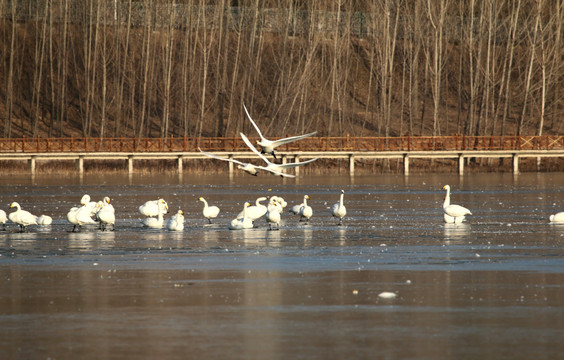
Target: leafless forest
119,68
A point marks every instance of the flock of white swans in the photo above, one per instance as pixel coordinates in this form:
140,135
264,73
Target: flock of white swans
102,213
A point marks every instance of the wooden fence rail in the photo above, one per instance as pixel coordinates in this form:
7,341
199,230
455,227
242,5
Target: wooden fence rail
234,144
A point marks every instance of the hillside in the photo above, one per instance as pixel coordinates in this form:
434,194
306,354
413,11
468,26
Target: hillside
154,69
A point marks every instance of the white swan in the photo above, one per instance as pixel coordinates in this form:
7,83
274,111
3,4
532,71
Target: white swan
273,214
242,223
267,146
44,220
256,211
275,169
176,222
151,207
456,212
157,223
296,209
209,212
3,219
280,201
246,167
339,210
80,215
71,217
306,212
557,218
85,200
106,214
21,217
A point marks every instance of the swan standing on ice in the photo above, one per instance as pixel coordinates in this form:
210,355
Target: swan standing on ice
151,207
79,216
21,217
557,218
256,211
242,223
280,201
273,214
275,169
176,222
267,146
339,210
306,212
157,223
246,167
3,219
453,213
106,214
210,212
92,205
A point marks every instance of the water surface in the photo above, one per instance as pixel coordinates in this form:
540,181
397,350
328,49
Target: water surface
490,288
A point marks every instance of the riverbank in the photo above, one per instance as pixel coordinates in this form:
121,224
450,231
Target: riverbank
319,167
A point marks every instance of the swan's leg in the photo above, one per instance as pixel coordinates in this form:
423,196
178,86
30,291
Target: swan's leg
209,221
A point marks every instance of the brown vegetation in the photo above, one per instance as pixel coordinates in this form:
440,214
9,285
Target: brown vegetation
366,68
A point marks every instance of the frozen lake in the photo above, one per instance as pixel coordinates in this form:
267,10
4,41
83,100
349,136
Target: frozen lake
491,288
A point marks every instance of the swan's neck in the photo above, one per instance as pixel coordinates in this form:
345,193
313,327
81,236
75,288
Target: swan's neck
305,201
342,199
245,213
447,199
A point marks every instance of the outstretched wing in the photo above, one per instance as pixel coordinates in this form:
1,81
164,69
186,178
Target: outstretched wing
276,172
251,146
221,158
290,139
252,122
296,164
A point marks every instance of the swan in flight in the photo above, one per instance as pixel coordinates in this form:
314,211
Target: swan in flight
157,223
557,218
246,167
210,212
256,211
339,210
106,214
456,212
176,222
306,212
276,169
242,223
273,214
151,207
3,219
267,146
21,217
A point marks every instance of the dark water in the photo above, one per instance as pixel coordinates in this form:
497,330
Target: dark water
491,288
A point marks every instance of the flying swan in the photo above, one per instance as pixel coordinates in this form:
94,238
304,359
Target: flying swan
267,146
275,169
246,167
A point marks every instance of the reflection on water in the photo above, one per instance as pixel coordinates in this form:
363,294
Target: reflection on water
456,232
491,287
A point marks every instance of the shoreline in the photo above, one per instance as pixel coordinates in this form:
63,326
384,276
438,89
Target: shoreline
320,167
